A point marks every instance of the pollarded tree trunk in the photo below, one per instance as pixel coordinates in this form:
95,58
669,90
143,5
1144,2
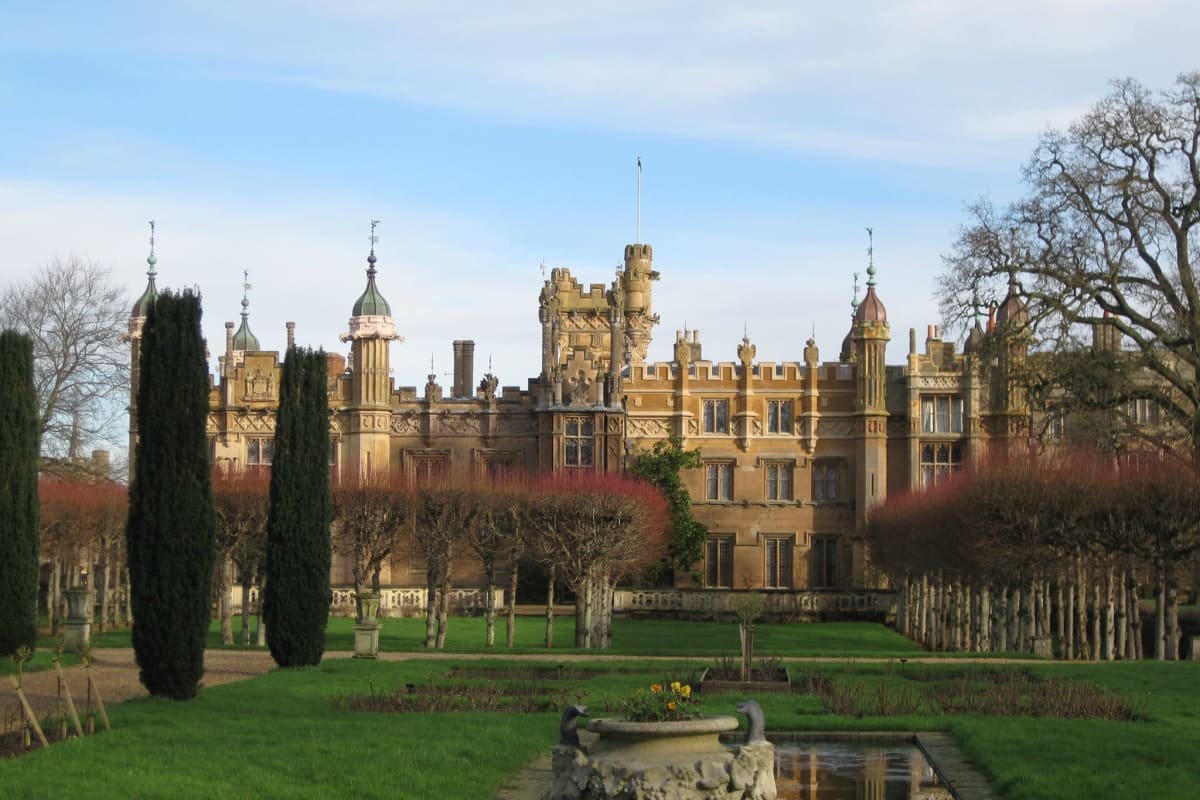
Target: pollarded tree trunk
1096,610
985,619
511,628
1110,627
1028,616
1120,613
431,605
1082,646
1060,637
1133,641
583,614
443,609
902,601
226,599
550,606
102,581
1172,617
489,605
247,584
1014,620
1069,622
1160,611
1000,620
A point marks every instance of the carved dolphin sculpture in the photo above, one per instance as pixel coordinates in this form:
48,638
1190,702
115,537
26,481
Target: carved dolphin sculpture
756,725
567,734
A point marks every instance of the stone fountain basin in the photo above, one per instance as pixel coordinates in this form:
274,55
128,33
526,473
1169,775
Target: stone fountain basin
646,741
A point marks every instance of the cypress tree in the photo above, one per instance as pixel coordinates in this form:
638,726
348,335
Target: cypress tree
19,535
296,594
172,525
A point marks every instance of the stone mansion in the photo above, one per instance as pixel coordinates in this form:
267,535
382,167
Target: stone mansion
795,453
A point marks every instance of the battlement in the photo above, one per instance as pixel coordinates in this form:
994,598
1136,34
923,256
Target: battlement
638,251
570,293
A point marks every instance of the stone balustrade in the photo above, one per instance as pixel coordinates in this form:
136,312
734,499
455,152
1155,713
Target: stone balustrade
800,604
393,602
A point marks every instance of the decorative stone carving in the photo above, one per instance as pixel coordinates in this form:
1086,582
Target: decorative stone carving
649,427
580,390
488,386
260,387
460,424
406,424
433,392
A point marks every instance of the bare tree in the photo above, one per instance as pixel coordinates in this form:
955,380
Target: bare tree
369,516
240,501
1104,240
75,314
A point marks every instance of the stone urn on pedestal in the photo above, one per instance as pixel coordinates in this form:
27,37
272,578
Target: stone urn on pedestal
366,627
77,629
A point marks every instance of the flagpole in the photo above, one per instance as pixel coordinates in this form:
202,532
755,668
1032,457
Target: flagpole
638,240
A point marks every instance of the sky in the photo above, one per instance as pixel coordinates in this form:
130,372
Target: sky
490,139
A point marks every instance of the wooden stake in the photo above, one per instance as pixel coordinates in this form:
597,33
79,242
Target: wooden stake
62,682
94,691
29,716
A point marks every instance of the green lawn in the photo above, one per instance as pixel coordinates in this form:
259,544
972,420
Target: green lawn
279,736
630,637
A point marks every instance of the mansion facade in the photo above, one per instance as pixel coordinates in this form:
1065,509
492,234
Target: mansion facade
795,453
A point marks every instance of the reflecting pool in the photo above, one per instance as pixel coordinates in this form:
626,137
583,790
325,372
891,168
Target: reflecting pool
854,771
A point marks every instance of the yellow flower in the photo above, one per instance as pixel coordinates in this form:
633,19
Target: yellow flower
656,688
675,686
686,691
671,705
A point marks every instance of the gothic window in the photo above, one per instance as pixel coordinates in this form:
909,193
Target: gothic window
942,414
826,475
939,460
431,468
778,562
716,416
259,453
579,442
779,416
718,562
824,562
718,480
779,480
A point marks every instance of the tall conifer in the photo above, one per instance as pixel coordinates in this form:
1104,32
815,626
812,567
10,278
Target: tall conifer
172,525
296,594
19,539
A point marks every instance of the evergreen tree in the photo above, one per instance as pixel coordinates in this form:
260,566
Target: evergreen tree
171,520
19,539
296,594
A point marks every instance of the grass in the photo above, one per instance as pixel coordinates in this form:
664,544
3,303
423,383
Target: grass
280,736
635,637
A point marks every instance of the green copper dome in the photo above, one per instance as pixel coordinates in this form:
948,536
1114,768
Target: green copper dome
244,339
141,306
371,302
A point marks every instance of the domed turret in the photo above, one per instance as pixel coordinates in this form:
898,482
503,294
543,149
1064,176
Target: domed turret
244,339
371,302
974,341
1013,309
141,307
871,308
846,355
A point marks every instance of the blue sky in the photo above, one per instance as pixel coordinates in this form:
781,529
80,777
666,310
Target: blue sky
490,138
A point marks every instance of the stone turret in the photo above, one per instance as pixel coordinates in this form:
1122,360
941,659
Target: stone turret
372,330
871,335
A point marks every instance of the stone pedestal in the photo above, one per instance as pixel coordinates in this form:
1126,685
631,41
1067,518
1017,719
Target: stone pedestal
77,628
687,762
366,639
1043,646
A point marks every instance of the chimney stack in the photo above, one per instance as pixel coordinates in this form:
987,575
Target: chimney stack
464,368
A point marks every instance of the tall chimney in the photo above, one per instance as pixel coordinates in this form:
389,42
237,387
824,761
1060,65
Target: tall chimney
291,335
464,368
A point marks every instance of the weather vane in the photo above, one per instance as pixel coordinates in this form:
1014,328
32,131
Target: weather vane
151,236
374,237
246,280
